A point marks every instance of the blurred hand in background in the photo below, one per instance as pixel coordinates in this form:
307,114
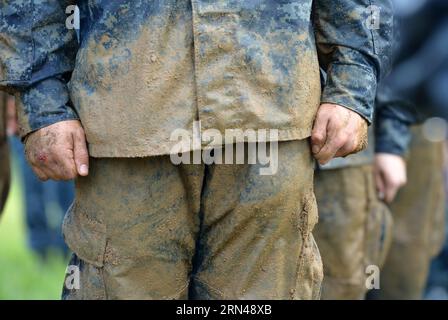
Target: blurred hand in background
390,175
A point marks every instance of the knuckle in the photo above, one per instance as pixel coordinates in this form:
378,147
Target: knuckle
394,185
63,176
68,173
317,137
340,141
83,154
324,151
346,149
42,177
31,160
79,132
66,177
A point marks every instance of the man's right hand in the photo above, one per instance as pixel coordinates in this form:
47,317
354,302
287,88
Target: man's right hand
390,175
59,151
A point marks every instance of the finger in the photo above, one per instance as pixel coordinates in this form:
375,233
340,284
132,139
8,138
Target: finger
80,153
64,168
361,145
319,133
333,143
390,188
346,149
59,164
328,151
390,193
40,173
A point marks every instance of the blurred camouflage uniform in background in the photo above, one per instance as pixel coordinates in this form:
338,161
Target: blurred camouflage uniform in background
355,226
4,153
419,222
142,227
418,82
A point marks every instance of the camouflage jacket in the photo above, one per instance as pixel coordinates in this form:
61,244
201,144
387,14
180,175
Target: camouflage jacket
143,69
417,88
390,132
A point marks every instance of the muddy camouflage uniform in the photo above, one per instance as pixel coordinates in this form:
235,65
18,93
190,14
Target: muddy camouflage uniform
419,222
143,227
353,225
418,211
4,154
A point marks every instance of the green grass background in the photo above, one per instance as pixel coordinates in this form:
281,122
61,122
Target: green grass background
22,274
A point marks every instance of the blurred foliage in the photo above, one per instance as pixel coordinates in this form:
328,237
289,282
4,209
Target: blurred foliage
23,275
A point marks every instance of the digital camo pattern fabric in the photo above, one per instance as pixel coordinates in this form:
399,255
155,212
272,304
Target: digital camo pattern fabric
145,68
200,240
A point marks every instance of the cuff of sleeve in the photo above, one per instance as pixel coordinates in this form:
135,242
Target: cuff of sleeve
392,136
44,104
351,86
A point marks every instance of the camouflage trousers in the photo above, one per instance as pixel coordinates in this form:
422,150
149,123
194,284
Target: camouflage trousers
144,228
354,230
419,223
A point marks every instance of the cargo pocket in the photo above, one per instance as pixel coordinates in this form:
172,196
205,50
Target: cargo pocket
317,271
310,211
83,281
378,234
310,268
437,235
310,272
84,234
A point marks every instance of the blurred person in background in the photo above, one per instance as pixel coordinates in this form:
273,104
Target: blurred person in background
4,153
354,228
419,208
437,286
355,225
45,202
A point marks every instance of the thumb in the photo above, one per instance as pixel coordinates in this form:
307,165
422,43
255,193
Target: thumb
80,153
319,134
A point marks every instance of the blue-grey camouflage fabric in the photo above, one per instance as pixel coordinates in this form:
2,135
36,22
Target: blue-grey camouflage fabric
143,69
416,88
393,120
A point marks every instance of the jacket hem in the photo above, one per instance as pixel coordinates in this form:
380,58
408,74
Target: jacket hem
115,149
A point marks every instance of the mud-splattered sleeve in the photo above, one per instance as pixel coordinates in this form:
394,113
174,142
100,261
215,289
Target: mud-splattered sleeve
393,118
37,53
354,39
